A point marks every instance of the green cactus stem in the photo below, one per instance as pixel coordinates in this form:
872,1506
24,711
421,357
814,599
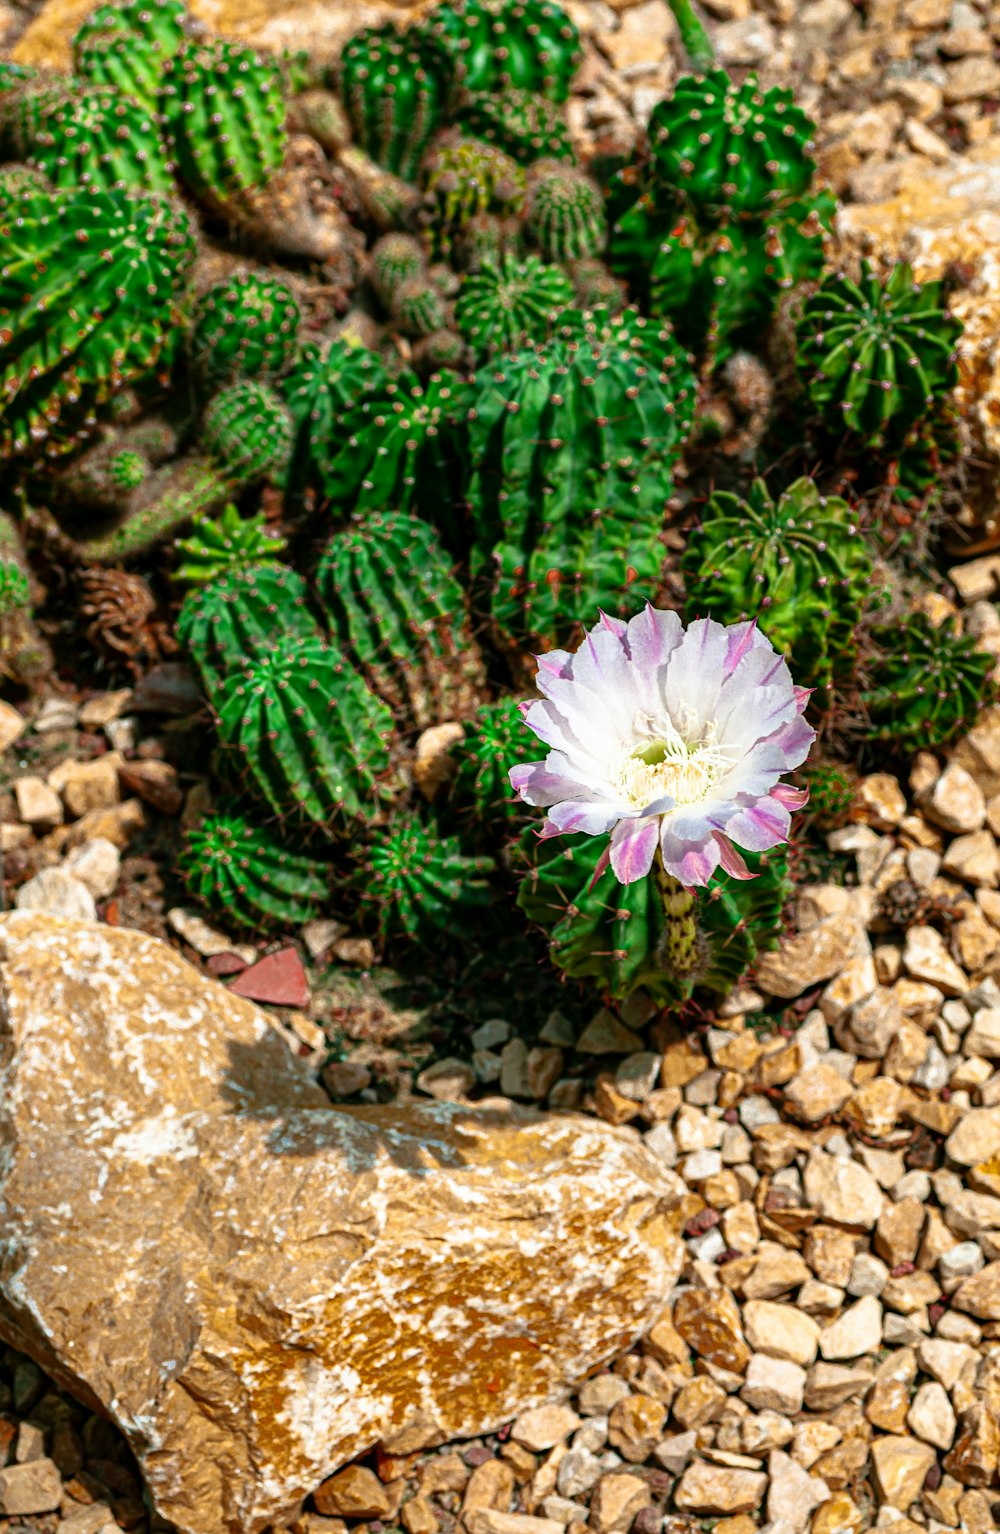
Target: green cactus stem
926,684
466,179
244,327
395,87
126,45
418,883
227,542
247,874
496,739
242,611
565,212
505,303
224,115
530,45
523,124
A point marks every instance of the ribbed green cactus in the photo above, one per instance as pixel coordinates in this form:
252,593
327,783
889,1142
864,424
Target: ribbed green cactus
247,874
504,303
15,580
244,327
307,730
801,568
241,611
731,149
419,309
523,124
416,882
594,284
487,237
82,135
467,179
875,357
318,390
832,790
126,45
528,44
495,740
652,934
395,86
224,116
248,431
228,542
395,260
394,604
572,448
127,469
90,286
565,212
25,657
925,684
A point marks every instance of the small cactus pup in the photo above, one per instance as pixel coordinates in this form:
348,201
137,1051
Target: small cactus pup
224,115
504,303
244,327
466,179
530,45
926,684
247,875
799,568
396,259
832,790
25,657
81,135
243,610
565,212
91,288
419,308
387,201
876,357
395,86
394,604
671,741
495,740
227,542
418,883
523,124
572,446
248,431
310,735
126,45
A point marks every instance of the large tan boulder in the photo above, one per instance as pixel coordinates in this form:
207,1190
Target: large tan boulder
258,1287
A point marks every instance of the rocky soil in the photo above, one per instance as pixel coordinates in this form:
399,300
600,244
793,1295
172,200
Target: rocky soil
830,1361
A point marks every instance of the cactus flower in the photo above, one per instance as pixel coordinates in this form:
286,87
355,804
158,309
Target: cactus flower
669,739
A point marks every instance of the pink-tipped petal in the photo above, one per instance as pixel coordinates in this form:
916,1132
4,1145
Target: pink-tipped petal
730,858
633,847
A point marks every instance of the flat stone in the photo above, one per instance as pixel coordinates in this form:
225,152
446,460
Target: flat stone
105,707
57,893
32,1488
97,864
842,1191
278,978
900,1465
983,1038
793,1494
352,1493
931,1415
705,1488
808,958
980,1294
635,1427
87,786
956,801
617,1501
774,1384
605,1034
976,1137
926,957
432,1277
974,858
855,1333
37,804
544,1426
818,1092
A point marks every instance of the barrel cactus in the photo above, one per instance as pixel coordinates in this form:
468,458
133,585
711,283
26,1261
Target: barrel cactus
239,612
418,883
800,567
394,604
925,683
467,179
523,124
309,734
495,740
90,289
395,87
318,389
126,45
565,212
248,431
228,542
224,117
876,356
497,44
244,327
396,259
651,934
419,309
504,302
82,135
248,875
572,447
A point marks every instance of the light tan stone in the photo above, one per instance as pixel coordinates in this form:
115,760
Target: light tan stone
854,1334
817,1092
781,1331
842,1190
37,804
976,1137
980,1294
12,725
808,958
900,1464
706,1488
273,1339
926,957
617,1500
544,1426
88,786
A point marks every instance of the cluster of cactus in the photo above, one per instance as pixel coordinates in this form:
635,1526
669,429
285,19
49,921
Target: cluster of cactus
926,684
247,874
78,134
524,124
720,217
417,882
877,357
395,605
652,934
406,287
800,567
572,447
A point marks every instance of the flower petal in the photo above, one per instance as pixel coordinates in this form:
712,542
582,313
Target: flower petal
633,847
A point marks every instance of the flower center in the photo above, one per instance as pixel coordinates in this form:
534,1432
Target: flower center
669,764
